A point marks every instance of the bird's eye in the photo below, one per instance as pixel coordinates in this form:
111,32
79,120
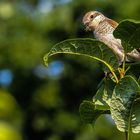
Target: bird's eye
91,17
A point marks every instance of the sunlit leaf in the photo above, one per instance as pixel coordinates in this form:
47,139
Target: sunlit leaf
104,94
88,112
98,99
8,132
87,47
125,105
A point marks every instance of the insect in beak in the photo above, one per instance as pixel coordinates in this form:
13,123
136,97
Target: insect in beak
87,26
87,29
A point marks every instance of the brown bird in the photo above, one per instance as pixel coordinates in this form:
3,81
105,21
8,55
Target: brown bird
103,28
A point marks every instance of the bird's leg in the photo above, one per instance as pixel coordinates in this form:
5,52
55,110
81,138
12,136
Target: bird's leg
122,71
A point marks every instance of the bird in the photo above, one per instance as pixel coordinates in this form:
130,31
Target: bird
103,28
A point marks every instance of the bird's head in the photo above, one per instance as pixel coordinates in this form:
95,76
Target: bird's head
92,19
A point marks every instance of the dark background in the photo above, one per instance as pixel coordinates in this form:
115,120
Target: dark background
39,103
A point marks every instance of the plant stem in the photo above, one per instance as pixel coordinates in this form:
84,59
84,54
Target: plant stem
127,135
109,67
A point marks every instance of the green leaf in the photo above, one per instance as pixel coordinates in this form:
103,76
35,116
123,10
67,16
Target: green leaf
124,107
129,33
88,112
108,90
139,80
98,99
104,94
87,47
136,116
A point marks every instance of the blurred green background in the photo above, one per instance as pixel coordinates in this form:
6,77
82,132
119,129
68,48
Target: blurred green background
39,103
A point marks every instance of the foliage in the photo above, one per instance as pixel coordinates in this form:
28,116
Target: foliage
42,103
119,91
129,33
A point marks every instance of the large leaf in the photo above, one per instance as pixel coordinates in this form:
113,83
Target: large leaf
139,80
125,107
104,94
89,113
136,116
129,33
87,47
98,99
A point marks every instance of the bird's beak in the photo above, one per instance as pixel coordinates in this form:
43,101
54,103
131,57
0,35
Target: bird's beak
90,26
87,26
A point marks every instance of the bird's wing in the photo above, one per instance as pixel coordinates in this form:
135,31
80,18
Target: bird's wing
134,55
112,43
113,23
